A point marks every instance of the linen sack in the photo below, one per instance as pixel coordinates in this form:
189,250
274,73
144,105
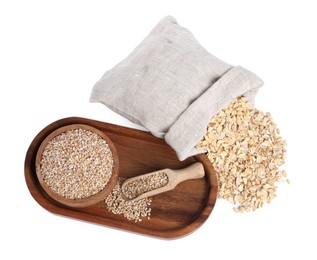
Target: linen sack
173,86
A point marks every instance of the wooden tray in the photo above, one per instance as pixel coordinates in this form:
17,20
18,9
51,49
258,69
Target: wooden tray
174,214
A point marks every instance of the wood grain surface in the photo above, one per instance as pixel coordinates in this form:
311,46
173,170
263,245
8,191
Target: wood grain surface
175,213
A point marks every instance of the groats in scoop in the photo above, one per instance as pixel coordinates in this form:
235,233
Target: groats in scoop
157,182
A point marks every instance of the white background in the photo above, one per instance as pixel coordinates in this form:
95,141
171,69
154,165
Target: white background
53,52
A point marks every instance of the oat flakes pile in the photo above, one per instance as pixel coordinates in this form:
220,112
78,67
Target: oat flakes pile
246,149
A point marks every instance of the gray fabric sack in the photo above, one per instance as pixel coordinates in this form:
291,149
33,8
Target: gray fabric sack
172,86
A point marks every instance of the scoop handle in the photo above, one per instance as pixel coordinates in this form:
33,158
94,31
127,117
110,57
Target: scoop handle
194,171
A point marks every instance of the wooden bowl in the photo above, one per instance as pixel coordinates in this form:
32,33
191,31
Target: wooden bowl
87,201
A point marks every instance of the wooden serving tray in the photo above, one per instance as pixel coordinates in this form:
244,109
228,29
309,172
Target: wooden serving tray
174,213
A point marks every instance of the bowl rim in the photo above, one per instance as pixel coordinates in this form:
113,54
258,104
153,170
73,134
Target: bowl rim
88,201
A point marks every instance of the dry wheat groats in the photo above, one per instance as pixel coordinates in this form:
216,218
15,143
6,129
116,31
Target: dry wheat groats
144,184
77,164
132,210
246,149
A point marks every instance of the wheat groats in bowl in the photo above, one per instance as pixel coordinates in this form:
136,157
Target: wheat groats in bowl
77,165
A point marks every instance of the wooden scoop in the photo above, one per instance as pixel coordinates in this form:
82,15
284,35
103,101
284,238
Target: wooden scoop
174,177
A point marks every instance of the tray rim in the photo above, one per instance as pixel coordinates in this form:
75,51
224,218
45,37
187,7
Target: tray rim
61,210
